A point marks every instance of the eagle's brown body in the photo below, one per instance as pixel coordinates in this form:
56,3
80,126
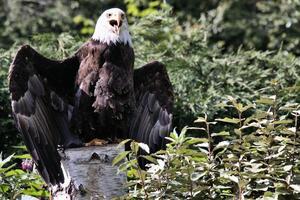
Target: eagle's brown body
105,91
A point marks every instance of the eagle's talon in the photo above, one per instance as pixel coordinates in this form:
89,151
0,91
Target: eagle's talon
96,142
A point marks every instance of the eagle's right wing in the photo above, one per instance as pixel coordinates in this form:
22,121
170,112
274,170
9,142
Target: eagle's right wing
40,89
154,95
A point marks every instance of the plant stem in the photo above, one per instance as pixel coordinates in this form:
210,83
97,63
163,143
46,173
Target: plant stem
209,141
139,170
294,144
190,181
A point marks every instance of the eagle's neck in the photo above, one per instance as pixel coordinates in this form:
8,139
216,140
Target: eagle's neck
105,36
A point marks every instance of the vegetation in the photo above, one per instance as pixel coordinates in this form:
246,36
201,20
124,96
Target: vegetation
19,178
235,61
256,157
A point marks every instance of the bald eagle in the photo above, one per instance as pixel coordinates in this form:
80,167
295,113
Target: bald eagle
96,93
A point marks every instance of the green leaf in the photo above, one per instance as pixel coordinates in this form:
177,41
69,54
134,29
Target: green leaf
22,147
170,139
196,128
144,146
121,144
195,175
222,144
3,170
24,156
33,192
232,178
237,132
134,147
182,134
150,158
287,168
4,187
16,172
124,166
245,108
287,121
196,140
266,100
201,119
174,135
120,157
203,145
270,196
222,133
6,160
229,120
131,183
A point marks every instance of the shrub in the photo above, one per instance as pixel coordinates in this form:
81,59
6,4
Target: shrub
8,132
15,182
202,75
262,25
258,157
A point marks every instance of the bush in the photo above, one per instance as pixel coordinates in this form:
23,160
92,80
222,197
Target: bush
8,133
15,182
202,75
258,157
262,25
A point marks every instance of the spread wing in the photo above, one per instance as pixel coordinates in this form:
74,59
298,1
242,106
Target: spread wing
40,89
154,95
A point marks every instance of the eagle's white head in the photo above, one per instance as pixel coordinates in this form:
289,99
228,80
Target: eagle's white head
112,27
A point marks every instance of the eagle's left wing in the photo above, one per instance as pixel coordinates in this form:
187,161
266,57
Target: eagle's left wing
39,89
154,94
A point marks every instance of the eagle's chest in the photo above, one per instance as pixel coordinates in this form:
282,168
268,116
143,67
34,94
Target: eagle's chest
106,77
110,63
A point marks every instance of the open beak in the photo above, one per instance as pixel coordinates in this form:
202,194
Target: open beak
116,23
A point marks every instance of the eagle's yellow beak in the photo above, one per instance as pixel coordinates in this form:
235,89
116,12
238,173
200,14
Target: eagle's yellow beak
116,22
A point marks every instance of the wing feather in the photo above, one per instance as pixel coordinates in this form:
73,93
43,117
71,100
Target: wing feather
154,94
43,125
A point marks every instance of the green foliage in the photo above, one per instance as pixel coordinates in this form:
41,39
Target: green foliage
142,8
22,19
15,182
254,24
7,128
263,25
202,76
257,158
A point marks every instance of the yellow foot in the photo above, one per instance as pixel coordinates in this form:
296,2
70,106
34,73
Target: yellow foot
96,142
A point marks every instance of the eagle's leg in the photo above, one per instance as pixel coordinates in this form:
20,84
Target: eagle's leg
96,142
